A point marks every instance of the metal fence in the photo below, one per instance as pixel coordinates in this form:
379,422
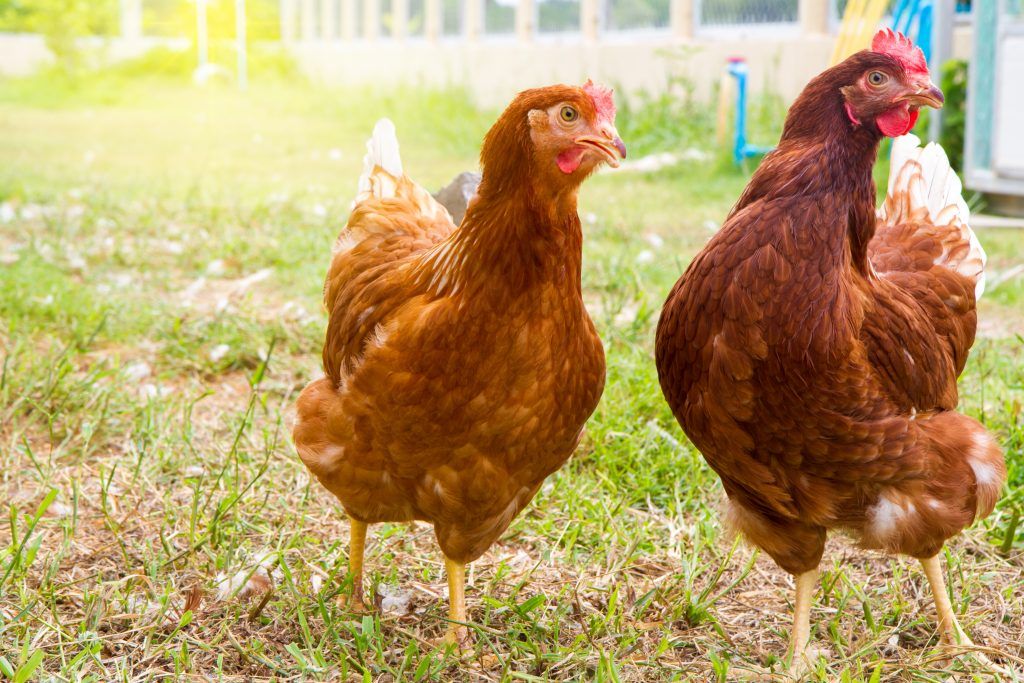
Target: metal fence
746,12
330,20
618,15
304,19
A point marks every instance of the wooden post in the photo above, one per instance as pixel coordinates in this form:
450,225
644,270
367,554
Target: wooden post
243,54
327,20
202,37
526,20
371,19
474,19
287,21
813,16
131,19
307,19
681,15
433,20
349,31
943,15
399,19
590,20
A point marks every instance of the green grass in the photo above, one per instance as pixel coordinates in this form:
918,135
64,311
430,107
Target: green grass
162,251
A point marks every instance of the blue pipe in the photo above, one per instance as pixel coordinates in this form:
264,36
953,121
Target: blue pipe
741,150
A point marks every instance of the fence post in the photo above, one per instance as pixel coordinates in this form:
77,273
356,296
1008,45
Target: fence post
944,14
243,51
202,35
327,21
287,13
348,20
526,19
371,19
813,17
432,20
131,19
590,20
681,14
307,19
399,19
474,19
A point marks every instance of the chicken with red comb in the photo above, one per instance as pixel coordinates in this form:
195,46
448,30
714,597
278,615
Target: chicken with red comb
811,350
460,363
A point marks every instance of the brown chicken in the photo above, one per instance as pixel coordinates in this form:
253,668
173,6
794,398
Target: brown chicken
811,350
461,364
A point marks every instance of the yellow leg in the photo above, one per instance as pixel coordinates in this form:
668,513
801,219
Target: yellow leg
356,549
950,632
953,637
457,632
806,584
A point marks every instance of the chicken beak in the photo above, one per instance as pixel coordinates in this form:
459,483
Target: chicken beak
926,95
609,144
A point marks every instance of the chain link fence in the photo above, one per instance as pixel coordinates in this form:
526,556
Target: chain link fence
745,12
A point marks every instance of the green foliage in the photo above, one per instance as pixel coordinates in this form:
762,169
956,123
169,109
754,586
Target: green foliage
668,120
62,23
953,82
674,119
954,113
157,69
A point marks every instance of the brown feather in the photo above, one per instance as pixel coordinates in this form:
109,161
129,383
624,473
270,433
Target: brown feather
814,363
461,364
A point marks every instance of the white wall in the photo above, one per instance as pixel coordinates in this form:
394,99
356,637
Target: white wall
491,69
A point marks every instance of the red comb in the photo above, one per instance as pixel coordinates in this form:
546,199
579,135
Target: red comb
604,103
900,48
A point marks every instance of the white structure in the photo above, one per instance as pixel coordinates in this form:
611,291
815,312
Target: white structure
995,139
785,42
343,41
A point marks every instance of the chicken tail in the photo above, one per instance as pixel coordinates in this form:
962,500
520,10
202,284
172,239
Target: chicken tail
382,165
924,189
383,179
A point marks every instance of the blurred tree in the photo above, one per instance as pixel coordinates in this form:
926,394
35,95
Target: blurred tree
62,23
13,16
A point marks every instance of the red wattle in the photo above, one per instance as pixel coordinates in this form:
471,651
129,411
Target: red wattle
897,121
569,160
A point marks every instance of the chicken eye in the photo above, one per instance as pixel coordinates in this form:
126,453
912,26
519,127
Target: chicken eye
877,78
568,114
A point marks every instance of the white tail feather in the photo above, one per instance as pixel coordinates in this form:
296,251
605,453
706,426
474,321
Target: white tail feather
924,179
382,153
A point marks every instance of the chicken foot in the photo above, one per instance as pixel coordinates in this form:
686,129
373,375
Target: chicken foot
356,550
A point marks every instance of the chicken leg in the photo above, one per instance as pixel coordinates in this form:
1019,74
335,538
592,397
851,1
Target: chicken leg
457,633
356,550
798,660
953,637
950,632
